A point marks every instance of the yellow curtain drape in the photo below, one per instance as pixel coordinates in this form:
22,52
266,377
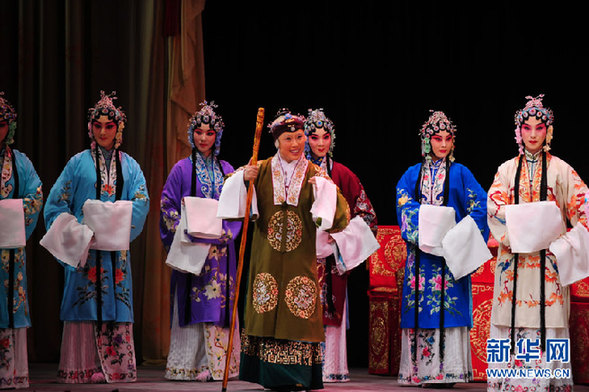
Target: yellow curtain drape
184,91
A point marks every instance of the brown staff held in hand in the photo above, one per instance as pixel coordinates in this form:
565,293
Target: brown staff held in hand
250,192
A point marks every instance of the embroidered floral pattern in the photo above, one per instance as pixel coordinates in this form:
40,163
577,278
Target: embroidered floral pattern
210,179
217,340
296,182
18,290
502,193
364,209
264,293
432,182
410,281
6,188
65,194
108,180
32,205
301,296
290,233
117,351
435,292
408,228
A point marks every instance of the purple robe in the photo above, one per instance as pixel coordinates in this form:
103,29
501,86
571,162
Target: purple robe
200,298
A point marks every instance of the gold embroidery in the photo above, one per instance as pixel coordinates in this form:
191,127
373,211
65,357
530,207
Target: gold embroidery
284,352
292,232
265,293
301,296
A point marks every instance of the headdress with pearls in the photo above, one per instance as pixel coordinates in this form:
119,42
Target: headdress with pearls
437,122
207,115
534,108
105,107
316,119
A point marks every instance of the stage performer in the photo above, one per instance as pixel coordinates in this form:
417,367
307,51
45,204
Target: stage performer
436,312
283,317
21,199
320,132
532,198
201,304
97,305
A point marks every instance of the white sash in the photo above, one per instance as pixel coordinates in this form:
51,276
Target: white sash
201,217
434,223
12,228
68,240
110,222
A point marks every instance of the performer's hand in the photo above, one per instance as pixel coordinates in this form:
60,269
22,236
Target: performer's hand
250,172
313,180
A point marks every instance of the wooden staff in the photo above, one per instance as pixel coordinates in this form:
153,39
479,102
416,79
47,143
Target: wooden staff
250,193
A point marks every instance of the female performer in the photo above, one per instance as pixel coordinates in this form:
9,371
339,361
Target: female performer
436,311
530,302
19,181
97,305
320,134
201,305
283,317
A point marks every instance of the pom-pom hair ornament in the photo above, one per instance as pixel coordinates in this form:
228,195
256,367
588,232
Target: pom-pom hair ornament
316,119
534,108
207,115
437,122
285,121
8,114
105,107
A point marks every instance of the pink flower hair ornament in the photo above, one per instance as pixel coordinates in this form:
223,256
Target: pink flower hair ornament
437,122
105,107
534,108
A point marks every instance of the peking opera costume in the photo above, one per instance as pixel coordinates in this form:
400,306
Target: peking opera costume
21,200
333,280
201,298
283,314
436,308
532,198
95,208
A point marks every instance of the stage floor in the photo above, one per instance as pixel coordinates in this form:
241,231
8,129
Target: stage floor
42,378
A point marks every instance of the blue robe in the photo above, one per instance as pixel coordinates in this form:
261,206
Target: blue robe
467,197
31,193
75,185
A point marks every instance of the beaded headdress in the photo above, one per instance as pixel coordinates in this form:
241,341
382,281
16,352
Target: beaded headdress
285,121
316,119
8,114
534,108
206,115
437,122
105,107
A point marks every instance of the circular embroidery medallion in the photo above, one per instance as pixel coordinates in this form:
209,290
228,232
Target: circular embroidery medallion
293,232
301,296
265,293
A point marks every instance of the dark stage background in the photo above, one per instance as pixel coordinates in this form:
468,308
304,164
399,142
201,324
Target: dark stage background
376,67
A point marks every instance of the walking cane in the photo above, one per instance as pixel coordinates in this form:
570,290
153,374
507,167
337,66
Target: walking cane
250,192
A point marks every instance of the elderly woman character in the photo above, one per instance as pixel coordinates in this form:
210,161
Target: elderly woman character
283,331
